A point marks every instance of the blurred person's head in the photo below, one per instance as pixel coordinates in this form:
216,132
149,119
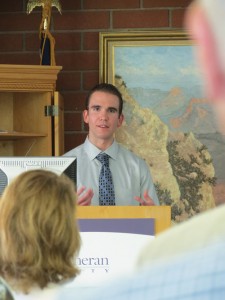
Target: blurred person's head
39,237
205,21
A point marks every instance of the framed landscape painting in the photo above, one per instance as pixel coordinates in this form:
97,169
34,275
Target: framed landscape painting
168,121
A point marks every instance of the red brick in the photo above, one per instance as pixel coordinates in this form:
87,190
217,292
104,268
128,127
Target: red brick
165,3
178,18
74,101
11,42
67,41
19,59
78,60
11,6
74,140
82,20
68,81
90,79
116,4
32,42
72,121
70,5
91,41
20,22
86,129
141,19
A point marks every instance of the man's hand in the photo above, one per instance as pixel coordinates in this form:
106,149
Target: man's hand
147,201
84,196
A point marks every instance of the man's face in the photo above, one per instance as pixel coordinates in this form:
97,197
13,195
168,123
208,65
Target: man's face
102,117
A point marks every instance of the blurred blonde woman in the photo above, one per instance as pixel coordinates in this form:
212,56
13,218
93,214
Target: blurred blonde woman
39,238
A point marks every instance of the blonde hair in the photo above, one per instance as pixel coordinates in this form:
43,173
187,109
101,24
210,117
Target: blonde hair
39,237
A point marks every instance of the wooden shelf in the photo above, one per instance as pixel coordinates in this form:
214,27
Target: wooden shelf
26,78
26,91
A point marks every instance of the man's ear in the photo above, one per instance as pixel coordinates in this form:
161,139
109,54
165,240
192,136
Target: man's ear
202,32
86,116
120,120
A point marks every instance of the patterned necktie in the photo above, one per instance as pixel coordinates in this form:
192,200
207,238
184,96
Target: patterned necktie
106,188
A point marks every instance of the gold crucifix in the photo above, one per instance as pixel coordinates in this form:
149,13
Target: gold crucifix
47,48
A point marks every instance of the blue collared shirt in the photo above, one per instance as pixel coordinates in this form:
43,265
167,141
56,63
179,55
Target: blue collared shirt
131,174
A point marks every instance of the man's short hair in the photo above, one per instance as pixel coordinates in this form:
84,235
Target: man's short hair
107,88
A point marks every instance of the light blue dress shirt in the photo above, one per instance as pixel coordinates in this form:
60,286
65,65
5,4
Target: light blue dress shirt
131,175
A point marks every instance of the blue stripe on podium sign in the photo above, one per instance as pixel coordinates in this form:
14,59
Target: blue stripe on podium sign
144,226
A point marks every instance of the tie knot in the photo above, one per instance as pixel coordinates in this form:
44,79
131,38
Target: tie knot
103,158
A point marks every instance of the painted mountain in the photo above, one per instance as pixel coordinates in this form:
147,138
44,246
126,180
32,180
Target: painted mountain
181,111
176,133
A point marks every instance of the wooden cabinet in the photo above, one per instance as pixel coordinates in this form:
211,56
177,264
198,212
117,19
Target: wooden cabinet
31,111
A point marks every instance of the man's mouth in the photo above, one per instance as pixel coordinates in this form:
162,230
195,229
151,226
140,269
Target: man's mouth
103,126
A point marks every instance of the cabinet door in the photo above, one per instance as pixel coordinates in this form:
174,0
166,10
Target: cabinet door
58,125
29,117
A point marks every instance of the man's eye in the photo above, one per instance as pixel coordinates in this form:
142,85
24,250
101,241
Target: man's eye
95,108
112,110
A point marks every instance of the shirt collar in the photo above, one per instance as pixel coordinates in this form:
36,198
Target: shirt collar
92,151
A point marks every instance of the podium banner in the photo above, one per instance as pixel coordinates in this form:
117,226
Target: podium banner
161,214
110,247
134,226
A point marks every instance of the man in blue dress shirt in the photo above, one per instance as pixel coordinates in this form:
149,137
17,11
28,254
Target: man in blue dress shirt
132,180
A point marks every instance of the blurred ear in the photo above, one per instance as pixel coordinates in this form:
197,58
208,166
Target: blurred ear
85,116
202,32
120,120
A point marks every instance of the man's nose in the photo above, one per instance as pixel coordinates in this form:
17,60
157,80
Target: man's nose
104,114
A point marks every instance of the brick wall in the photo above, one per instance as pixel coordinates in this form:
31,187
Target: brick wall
76,32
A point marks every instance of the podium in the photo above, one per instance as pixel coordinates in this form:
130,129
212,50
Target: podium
160,214
112,238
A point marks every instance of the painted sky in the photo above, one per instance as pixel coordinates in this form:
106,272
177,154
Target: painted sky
157,67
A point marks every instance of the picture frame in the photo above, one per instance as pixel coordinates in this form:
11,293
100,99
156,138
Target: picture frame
168,120
108,41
